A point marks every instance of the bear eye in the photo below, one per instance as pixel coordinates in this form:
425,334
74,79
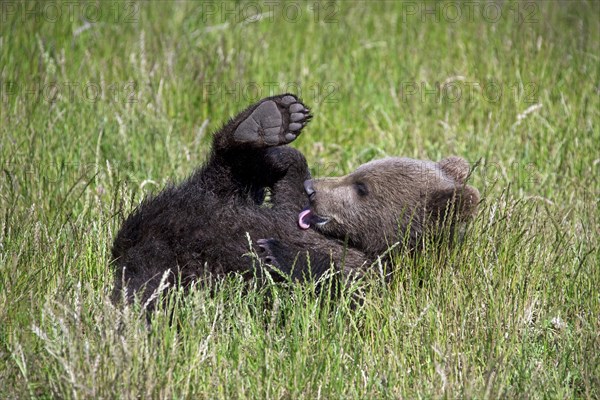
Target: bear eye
361,189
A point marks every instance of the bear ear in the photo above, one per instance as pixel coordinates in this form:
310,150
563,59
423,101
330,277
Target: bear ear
461,202
455,167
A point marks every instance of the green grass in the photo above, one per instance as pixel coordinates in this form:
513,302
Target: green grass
514,312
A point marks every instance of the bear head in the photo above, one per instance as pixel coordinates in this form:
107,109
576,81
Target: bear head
391,200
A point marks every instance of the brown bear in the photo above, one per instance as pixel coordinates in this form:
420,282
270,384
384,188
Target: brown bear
206,226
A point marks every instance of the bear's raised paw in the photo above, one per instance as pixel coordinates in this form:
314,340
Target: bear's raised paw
274,121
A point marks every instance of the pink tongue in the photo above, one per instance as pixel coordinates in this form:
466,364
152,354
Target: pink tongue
304,215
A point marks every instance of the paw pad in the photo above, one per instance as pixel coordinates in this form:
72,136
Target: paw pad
275,121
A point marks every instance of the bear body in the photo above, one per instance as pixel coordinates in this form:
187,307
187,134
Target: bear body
199,229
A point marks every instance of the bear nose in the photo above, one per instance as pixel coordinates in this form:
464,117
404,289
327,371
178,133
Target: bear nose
308,188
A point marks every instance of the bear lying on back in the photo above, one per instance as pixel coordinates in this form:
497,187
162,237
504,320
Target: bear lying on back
199,229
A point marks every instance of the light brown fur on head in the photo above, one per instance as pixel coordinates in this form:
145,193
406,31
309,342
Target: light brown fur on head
393,200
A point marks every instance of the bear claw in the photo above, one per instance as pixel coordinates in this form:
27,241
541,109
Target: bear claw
270,123
266,252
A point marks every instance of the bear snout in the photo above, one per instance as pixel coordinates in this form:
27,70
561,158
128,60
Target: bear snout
309,189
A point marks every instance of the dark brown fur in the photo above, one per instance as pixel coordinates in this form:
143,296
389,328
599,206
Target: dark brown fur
198,229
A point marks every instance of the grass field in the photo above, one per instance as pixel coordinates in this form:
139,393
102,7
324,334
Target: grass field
105,102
